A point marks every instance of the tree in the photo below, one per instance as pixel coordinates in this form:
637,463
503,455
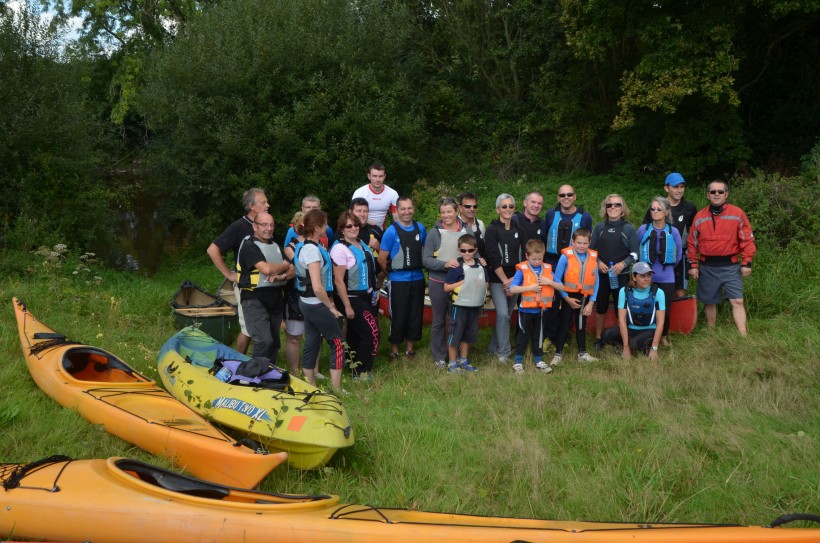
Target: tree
296,96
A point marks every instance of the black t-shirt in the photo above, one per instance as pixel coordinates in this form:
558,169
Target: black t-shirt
232,237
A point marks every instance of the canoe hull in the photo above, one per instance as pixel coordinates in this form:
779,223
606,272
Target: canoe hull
133,408
119,500
684,314
310,425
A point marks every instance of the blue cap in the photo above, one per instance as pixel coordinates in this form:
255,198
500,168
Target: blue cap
674,179
642,268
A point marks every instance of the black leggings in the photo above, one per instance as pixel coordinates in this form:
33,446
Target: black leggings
639,340
363,333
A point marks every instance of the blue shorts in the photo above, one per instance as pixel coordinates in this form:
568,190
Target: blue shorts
718,283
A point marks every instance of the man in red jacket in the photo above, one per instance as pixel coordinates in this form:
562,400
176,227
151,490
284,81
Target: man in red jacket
720,252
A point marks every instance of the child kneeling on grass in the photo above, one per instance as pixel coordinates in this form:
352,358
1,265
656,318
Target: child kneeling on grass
641,314
468,285
577,270
533,280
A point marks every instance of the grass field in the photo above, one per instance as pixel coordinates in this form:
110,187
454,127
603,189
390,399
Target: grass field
722,429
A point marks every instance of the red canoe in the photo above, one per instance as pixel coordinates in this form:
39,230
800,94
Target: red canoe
684,314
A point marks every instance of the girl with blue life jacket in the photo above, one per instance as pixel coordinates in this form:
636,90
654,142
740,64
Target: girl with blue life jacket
294,321
641,314
662,249
354,276
314,280
617,244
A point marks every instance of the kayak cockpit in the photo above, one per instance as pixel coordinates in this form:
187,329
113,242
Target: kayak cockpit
91,364
190,486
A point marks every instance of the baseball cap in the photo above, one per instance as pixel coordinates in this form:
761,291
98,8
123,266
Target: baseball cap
674,179
641,268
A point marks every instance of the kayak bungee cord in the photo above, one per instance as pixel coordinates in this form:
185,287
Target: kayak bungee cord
13,474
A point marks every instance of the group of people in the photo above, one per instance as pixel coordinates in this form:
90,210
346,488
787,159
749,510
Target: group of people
555,270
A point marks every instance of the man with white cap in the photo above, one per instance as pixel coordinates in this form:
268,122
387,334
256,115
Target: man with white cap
641,313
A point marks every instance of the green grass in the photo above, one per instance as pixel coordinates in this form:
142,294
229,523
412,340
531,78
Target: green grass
721,430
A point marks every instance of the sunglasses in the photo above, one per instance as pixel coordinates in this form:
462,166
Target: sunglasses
656,209
614,204
717,191
469,206
467,250
446,200
348,226
507,206
566,194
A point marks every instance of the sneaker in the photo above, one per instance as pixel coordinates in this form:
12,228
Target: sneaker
394,357
454,367
599,344
586,357
557,359
543,366
503,359
410,354
318,376
519,368
441,364
466,366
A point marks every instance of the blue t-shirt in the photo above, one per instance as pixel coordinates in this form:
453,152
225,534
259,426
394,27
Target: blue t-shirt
391,244
561,268
291,235
642,294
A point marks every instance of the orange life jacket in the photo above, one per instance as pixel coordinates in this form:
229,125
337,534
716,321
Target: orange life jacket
580,277
531,299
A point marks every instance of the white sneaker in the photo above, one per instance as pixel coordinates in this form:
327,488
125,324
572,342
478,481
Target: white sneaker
543,366
318,376
518,368
557,359
586,357
441,364
503,359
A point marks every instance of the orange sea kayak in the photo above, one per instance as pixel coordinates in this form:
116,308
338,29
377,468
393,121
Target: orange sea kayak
124,501
106,391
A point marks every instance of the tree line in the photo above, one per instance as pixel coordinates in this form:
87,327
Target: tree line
205,98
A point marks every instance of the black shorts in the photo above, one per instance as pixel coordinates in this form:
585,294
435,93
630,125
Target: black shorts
463,325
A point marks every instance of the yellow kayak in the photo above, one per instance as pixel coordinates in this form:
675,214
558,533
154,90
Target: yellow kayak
106,391
126,501
307,423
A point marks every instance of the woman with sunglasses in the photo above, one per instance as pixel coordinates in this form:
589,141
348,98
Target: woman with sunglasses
440,254
505,243
354,275
661,248
617,244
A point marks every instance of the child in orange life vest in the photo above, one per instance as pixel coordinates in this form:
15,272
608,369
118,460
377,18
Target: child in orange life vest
577,271
533,280
468,283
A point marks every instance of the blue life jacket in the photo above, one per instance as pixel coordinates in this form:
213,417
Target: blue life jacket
641,312
303,283
661,250
362,276
560,231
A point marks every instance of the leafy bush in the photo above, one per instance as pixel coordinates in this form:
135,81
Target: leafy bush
781,209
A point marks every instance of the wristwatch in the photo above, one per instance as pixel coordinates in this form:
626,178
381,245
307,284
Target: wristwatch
654,348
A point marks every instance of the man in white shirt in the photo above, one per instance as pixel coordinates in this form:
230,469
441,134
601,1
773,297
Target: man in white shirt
379,196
